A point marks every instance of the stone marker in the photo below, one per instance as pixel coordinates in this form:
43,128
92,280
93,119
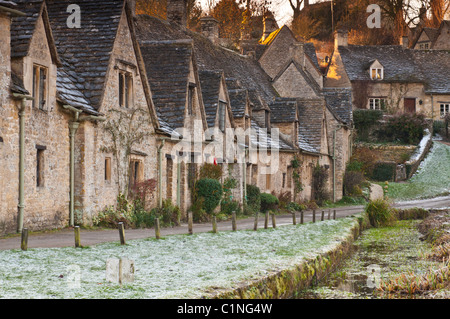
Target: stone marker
119,271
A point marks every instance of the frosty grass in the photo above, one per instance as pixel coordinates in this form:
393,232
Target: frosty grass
178,266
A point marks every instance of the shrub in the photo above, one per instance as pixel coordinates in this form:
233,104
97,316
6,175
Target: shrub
212,171
354,182
384,172
379,213
268,202
211,191
168,214
364,159
295,207
284,199
406,128
320,177
364,120
253,198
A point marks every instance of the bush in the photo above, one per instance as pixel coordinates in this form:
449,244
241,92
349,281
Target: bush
295,207
364,120
168,214
268,202
406,128
384,172
320,177
211,191
354,182
212,171
379,213
253,198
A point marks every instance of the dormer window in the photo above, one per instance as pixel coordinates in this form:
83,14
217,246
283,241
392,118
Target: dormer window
40,87
376,73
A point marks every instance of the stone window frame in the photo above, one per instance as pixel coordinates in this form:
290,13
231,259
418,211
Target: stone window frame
39,88
378,75
126,89
373,105
40,166
444,108
108,170
191,99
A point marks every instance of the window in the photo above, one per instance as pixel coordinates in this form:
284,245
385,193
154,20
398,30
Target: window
376,74
108,169
125,89
169,177
268,181
377,103
222,112
445,109
39,87
191,94
192,172
40,165
284,180
135,173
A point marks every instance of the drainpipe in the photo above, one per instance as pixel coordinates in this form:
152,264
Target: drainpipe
432,108
21,205
73,127
334,162
160,172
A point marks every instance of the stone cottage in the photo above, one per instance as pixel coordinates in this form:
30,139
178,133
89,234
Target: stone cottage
391,77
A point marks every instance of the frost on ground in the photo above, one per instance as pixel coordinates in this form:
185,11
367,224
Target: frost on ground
431,179
180,266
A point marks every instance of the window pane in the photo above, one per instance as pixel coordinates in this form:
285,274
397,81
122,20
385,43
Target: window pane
42,87
121,89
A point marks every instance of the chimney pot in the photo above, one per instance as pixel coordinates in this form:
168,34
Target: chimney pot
340,38
177,12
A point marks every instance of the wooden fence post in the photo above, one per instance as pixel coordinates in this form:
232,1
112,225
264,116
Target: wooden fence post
274,221
157,229
329,214
76,230
24,241
294,220
190,220
214,224
323,216
314,216
266,220
233,221
255,225
122,233
334,214
301,217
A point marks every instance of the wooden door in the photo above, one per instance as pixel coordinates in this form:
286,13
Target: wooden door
410,105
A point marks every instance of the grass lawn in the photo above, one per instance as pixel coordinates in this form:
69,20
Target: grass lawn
179,266
432,179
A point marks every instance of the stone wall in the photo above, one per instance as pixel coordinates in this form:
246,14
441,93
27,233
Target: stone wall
95,142
46,134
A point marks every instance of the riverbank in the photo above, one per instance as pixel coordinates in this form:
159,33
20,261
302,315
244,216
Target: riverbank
393,262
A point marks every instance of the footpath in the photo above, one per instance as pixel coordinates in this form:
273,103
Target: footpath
66,238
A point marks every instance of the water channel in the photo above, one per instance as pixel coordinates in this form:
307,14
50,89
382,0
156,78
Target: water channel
379,254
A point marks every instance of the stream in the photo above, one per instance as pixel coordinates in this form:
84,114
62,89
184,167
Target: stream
379,254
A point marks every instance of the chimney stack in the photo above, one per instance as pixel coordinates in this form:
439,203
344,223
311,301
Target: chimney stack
340,38
404,42
270,24
177,12
210,29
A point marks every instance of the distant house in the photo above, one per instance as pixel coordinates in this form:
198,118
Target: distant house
392,78
433,38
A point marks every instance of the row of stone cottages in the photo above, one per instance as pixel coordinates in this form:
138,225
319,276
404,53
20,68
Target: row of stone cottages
89,109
